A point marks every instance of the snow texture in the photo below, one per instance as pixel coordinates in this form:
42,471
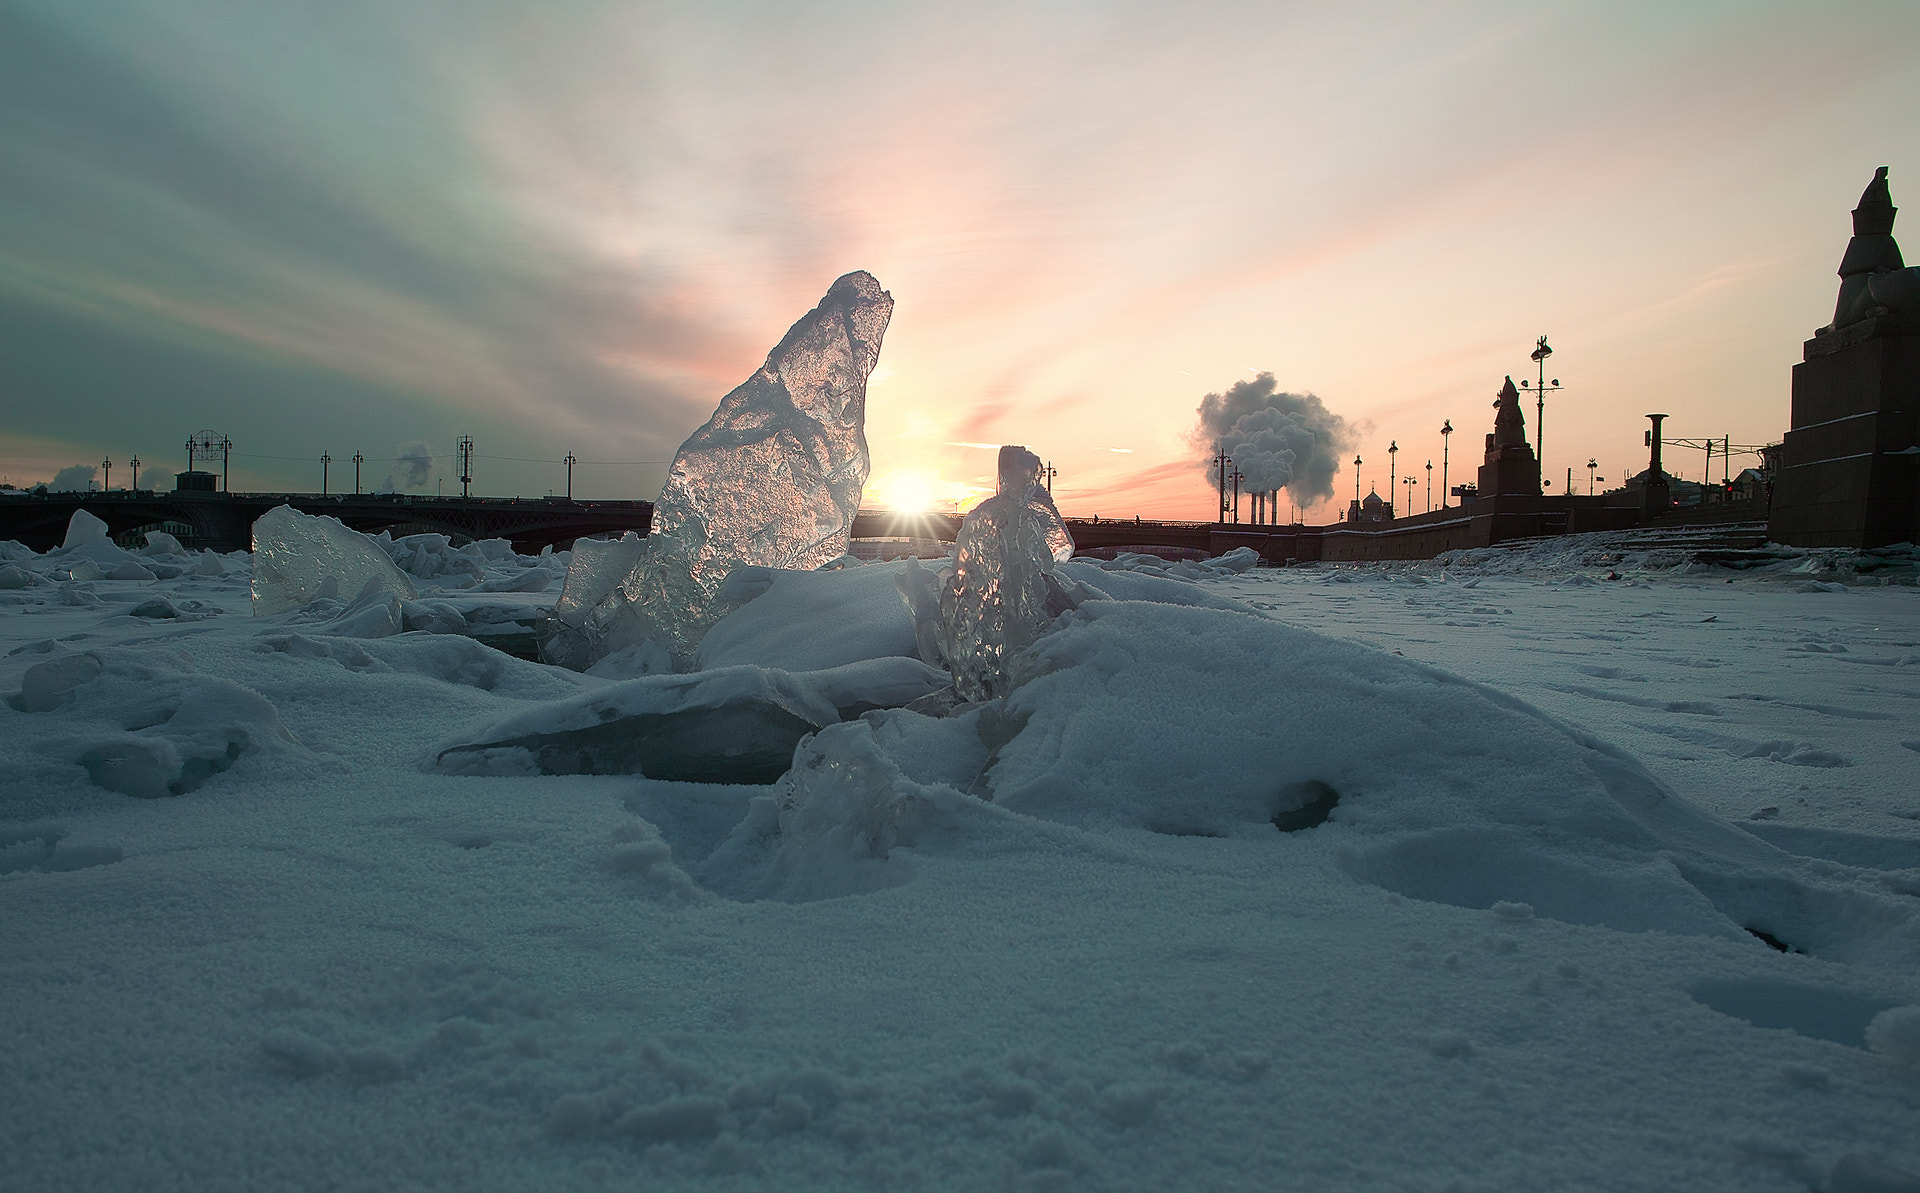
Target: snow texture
773,479
299,558
1614,886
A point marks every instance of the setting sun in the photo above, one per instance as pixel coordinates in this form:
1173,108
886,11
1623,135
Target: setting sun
906,492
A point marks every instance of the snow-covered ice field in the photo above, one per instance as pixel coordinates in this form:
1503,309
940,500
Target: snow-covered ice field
1511,959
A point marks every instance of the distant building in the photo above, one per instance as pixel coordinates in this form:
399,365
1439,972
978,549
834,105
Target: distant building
1371,509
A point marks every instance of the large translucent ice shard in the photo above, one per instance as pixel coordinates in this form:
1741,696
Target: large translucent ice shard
1003,594
298,558
772,480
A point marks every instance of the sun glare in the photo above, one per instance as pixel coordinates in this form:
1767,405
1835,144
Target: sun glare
907,492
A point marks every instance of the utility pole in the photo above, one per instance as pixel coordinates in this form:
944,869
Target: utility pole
569,462
325,460
1393,464
1446,435
106,469
466,464
358,460
1220,462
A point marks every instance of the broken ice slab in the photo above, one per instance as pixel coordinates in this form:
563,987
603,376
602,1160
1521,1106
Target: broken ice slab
83,528
298,558
732,725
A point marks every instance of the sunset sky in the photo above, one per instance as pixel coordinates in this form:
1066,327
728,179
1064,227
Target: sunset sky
572,226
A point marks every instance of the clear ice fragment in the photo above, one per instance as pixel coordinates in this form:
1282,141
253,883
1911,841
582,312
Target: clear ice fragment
772,480
1003,594
298,558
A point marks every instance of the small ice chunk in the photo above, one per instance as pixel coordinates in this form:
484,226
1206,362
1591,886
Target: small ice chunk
576,633
298,558
83,528
15,577
375,613
45,685
156,607
86,569
433,617
159,542
1003,594
1895,1034
209,564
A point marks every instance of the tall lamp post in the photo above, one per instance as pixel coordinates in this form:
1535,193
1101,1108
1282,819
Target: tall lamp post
1356,482
325,460
1429,486
1591,465
1446,433
1393,451
569,462
1540,388
358,460
106,468
134,484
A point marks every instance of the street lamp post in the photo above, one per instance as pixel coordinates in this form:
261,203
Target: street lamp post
1393,450
358,460
325,460
134,484
106,469
1356,482
1446,434
569,462
1429,486
1591,465
1410,482
1238,476
1540,388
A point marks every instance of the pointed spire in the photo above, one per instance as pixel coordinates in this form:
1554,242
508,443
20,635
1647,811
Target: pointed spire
1875,214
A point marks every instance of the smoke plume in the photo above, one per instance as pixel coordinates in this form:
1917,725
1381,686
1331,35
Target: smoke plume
1278,440
416,468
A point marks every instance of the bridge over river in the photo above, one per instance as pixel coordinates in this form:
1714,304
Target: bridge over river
224,521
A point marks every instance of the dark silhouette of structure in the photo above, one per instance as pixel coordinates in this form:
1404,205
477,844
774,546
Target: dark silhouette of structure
1850,463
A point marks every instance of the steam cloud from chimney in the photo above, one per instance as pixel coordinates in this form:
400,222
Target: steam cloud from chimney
1278,440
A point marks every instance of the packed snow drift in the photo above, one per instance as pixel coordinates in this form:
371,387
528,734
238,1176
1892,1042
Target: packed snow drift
1499,872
